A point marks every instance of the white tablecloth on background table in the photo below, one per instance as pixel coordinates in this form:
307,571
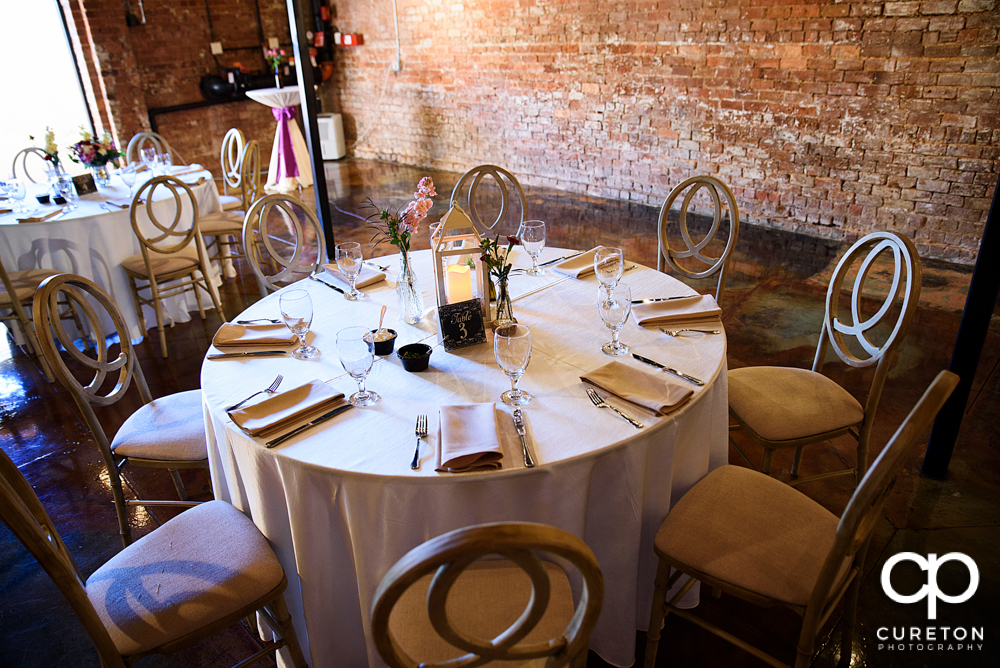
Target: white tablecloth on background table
340,504
92,242
279,98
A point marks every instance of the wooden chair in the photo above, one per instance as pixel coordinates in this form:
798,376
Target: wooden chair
516,609
289,250
504,181
250,175
751,536
168,432
781,407
231,160
36,158
151,140
175,254
199,573
718,265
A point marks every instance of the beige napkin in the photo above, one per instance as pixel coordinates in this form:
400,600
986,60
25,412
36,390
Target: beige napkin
369,275
677,311
40,219
577,267
468,439
656,393
284,411
230,336
177,170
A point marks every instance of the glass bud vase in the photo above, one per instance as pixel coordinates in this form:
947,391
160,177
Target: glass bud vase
505,307
101,176
277,77
408,296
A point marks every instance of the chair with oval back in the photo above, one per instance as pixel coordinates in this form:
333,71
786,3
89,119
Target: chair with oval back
173,253
273,233
693,250
153,140
504,181
231,161
782,407
168,432
754,537
38,163
519,608
199,573
252,188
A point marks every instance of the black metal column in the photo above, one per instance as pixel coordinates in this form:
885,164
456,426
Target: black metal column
310,108
969,344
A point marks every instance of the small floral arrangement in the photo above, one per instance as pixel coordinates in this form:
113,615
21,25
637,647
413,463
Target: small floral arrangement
274,58
496,261
397,227
51,149
94,153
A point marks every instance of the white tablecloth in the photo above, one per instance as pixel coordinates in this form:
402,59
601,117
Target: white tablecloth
92,242
278,98
340,504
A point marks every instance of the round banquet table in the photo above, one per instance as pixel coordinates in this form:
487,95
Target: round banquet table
340,505
92,241
290,166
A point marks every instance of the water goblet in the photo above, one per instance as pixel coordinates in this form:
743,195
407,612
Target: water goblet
68,191
532,235
349,261
614,306
128,177
297,310
609,264
148,157
356,349
16,191
512,347
165,162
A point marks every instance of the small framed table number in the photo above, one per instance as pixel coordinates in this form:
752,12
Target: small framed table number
84,184
462,324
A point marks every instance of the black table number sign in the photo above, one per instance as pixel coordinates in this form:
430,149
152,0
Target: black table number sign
84,184
462,324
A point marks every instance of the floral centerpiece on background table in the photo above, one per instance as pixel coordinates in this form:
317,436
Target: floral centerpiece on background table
500,269
397,227
51,149
96,155
274,58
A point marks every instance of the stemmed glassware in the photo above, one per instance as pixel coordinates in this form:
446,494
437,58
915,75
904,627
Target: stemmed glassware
297,310
609,265
532,235
165,162
512,347
16,191
614,306
128,177
356,349
350,261
68,191
148,157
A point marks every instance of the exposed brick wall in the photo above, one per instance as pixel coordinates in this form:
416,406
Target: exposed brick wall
161,63
833,119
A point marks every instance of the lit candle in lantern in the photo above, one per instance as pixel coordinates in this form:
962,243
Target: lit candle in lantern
458,283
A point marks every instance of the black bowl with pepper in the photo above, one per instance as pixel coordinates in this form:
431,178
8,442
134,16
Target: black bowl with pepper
414,356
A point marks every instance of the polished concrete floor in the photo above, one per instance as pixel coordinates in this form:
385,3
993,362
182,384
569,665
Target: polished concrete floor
773,308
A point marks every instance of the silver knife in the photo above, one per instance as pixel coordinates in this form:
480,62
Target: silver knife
519,425
329,285
298,430
677,373
662,299
255,353
560,259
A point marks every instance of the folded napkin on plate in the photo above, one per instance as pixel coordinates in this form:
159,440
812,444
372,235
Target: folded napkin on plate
175,170
677,311
284,411
231,336
369,275
658,393
469,440
577,267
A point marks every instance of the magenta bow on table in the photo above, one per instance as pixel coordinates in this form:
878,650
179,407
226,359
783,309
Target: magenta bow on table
286,154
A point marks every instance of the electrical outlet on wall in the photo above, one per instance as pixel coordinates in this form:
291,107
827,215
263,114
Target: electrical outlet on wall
273,43
216,48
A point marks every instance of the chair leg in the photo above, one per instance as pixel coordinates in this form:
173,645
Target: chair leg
120,507
284,621
138,305
251,622
797,461
197,296
179,484
765,466
657,613
847,634
864,437
154,292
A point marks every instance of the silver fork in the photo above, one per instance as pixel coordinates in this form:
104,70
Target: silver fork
420,431
250,322
675,332
270,389
600,403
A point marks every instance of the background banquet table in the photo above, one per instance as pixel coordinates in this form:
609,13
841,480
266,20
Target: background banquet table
282,98
92,241
340,504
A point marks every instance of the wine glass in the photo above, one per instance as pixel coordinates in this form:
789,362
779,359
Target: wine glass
297,310
533,241
614,306
356,349
128,177
512,347
68,191
349,261
165,162
16,191
609,264
148,157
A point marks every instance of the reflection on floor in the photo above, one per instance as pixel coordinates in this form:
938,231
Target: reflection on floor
772,313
